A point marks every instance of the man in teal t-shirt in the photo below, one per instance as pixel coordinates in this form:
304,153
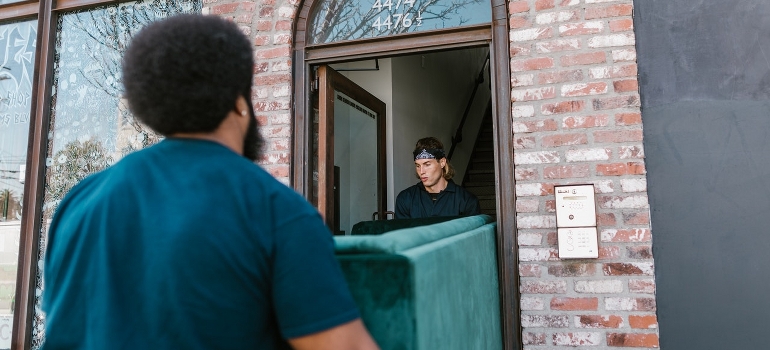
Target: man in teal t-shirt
188,244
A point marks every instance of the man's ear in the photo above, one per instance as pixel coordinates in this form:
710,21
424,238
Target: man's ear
442,162
242,106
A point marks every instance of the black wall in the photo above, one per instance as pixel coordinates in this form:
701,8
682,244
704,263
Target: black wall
704,69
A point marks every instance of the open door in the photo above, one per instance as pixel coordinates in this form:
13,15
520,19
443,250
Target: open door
351,138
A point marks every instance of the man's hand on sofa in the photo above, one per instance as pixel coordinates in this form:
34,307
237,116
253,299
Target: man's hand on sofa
349,336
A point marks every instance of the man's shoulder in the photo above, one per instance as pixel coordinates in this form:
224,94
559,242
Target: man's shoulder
410,191
460,190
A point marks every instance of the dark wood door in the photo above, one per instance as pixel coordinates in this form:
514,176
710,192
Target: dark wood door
359,147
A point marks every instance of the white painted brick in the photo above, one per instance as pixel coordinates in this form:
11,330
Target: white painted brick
527,34
642,286
532,94
523,80
531,189
624,55
631,202
280,119
545,47
545,221
537,254
633,185
262,92
598,1
545,157
626,39
604,186
567,89
631,152
532,304
639,235
554,17
527,205
605,72
544,321
570,3
281,91
599,287
286,12
587,155
577,339
523,111
620,304
520,127
530,239
282,38
282,66
597,25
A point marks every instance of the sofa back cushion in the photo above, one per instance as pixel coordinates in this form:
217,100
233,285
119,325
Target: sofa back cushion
403,239
378,227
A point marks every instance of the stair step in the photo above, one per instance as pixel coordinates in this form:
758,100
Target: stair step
479,179
480,191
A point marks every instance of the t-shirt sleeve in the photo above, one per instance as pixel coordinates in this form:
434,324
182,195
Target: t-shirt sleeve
310,293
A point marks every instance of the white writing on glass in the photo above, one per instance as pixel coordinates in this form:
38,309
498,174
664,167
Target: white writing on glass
396,20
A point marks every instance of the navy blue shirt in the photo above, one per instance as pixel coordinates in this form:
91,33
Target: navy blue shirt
188,245
416,202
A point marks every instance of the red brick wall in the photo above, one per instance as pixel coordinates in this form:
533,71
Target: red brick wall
269,24
576,119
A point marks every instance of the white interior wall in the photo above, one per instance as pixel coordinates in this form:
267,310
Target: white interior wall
425,95
430,93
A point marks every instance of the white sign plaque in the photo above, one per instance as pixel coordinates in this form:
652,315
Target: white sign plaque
578,242
575,206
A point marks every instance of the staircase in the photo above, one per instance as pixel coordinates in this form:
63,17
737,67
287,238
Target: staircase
480,176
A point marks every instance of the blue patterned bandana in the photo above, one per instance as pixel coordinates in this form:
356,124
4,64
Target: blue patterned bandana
429,153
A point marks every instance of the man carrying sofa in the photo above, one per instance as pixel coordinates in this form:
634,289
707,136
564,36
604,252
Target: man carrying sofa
436,194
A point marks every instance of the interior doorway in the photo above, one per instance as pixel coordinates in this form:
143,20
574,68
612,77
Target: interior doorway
445,94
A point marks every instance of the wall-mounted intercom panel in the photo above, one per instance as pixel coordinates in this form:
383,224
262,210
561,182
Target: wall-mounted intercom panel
576,221
578,242
575,206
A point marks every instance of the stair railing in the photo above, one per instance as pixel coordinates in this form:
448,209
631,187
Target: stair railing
459,133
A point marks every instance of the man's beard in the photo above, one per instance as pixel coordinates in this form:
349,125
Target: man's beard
252,142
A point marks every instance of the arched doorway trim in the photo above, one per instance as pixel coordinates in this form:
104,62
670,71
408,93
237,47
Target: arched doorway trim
497,37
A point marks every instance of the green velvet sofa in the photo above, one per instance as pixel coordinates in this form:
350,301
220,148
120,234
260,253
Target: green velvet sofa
427,287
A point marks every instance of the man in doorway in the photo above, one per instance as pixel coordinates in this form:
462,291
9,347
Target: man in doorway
188,244
436,194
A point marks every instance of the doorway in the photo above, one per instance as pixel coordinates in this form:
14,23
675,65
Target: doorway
444,94
494,36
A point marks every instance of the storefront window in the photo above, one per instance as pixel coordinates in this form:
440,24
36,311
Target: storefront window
91,127
17,55
340,20
4,2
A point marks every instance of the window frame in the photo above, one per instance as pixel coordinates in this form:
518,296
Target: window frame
47,14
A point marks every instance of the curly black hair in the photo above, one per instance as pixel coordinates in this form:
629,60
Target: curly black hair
184,73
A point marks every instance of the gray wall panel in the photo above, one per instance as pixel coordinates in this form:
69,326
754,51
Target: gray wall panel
704,71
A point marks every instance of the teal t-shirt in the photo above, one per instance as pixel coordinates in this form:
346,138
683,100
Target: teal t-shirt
188,245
